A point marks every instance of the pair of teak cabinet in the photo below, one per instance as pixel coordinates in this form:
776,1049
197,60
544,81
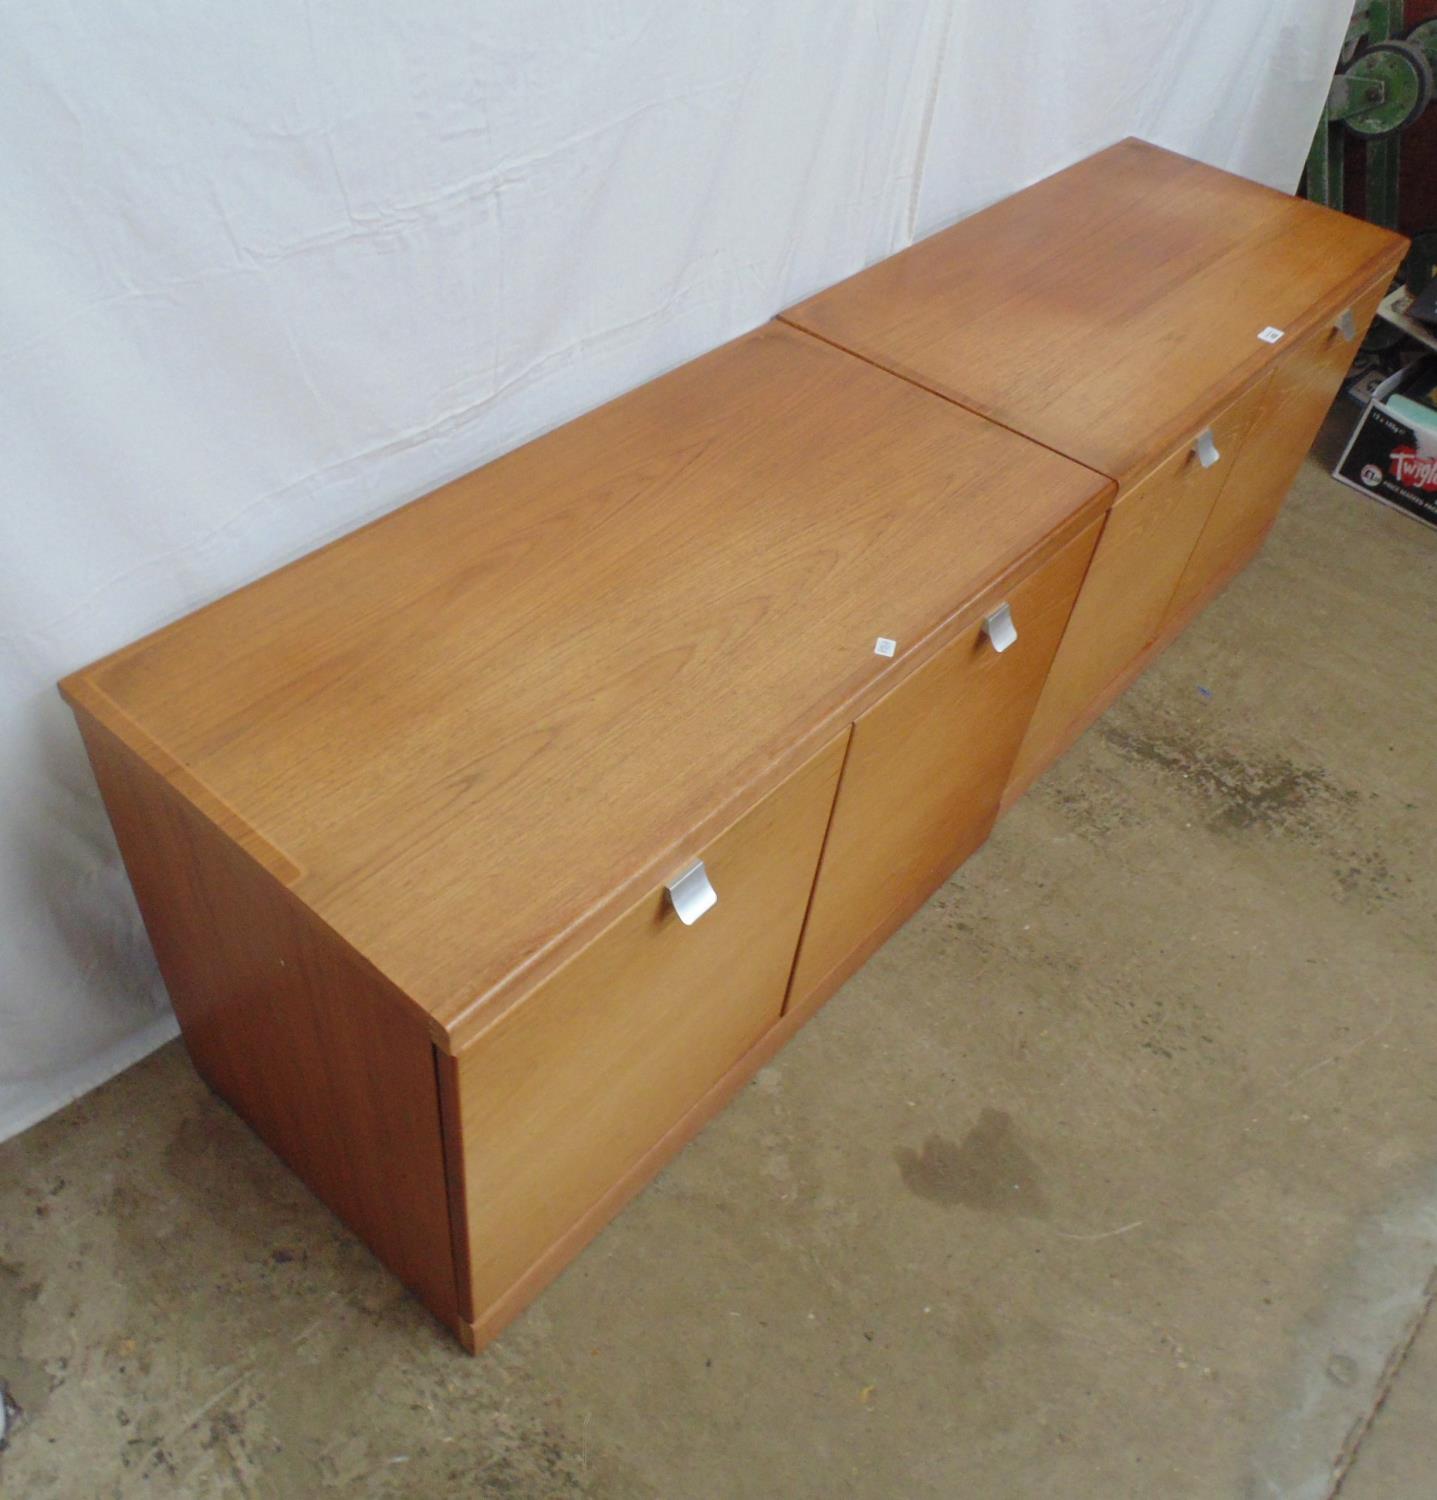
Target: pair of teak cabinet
488,850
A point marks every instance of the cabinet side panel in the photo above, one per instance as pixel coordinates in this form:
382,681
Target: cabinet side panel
287,1026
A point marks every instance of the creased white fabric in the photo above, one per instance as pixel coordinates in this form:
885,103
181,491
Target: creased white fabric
269,270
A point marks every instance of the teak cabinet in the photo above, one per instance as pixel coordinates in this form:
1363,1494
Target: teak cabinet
488,850
1178,329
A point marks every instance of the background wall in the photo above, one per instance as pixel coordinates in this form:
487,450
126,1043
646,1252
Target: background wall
267,271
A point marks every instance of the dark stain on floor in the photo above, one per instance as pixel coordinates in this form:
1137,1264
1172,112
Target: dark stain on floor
1253,791
1369,878
989,1170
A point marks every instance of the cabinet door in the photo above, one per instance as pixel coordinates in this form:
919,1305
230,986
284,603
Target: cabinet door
1298,395
562,1097
1147,539
925,768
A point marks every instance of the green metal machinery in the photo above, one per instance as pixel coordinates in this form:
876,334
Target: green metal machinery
1384,81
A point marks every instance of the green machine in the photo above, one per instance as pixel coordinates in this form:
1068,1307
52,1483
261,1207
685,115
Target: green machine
1384,81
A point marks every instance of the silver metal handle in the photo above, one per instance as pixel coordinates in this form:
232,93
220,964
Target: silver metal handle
1206,448
1346,324
999,627
692,894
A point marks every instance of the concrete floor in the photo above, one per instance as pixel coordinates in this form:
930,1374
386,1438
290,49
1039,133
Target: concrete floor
1114,1174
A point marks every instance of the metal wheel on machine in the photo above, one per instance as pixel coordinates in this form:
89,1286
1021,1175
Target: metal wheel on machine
1405,74
1423,36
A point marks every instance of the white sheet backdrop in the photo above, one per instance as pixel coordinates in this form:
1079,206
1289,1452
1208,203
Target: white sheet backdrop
268,270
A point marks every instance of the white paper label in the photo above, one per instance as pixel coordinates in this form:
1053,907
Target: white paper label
884,647
1270,335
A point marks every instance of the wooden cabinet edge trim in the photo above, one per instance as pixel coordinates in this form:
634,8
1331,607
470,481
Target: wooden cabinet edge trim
1379,268
85,696
451,1136
468,1022
219,816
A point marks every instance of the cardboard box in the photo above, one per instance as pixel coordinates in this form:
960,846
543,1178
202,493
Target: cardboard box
1392,455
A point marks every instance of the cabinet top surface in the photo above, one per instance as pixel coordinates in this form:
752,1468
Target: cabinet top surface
1107,310
470,731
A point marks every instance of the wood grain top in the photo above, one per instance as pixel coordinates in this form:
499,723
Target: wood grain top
469,734
1107,310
